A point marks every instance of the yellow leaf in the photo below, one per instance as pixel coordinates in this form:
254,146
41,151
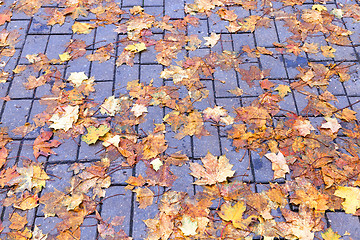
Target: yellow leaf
94,133
351,196
64,57
137,47
235,214
212,40
279,164
82,28
64,117
156,164
330,235
328,51
283,90
319,7
77,78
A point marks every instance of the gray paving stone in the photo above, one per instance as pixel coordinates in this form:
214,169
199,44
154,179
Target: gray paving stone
184,181
122,203
175,9
21,27
103,71
275,64
34,44
262,168
150,73
56,45
207,143
342,222
89,152
66,151
123,75
266,36
15,114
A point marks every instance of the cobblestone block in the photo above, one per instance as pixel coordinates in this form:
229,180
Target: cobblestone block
240,160
266,36
66,151
39,25
59,41
230,82
155,11
149,55
47,225
150,73
78,65
63,29
89,229
207,143
184,181
122,203
216,25
262,168
282,31
175,145
139,227
103,71
224,44
15,114
132,3
292,62
123,75
89,152
60,176
105,35
17,89
175,9
88,38
201,31
154,115
276,65
341,222
34,44
21,27
241,40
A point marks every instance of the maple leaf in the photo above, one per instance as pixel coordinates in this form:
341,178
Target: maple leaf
188,226
29,177
279,164
331,124
27,202
34,82
17,221
144,196
94,133
328,51
235,214
329,234
77,78
64,57
156,163
212,40
110,106
153,145
254,73
303,126
283,90
310,48
347,115
351,196
42,144
214,113
301,225
38,235
215,170
5,16
82,28
64,117
135,48
138,109
236,91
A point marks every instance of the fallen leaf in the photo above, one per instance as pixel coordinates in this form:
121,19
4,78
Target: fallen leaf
64,117
329,234
144,196
77,78
331,124
138,109
82,27
42,144
94,133
283,90
212,40
156,164
279,164
215,170
188,226
351,196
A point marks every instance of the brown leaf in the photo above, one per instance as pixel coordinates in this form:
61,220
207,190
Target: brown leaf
43,144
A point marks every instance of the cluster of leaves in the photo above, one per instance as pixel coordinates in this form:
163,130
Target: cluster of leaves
320,165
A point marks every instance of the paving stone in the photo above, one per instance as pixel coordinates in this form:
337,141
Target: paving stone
122,203
15,114
266,36
105,35
240,160
89,152
292,62
123,75
153,2
175,145
341,222
66,151
207,143
34,44
150,73
78,65
224,44
154,116
275,64
102,71
175,9
56,45
201,30
262,168
21,27
184,181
